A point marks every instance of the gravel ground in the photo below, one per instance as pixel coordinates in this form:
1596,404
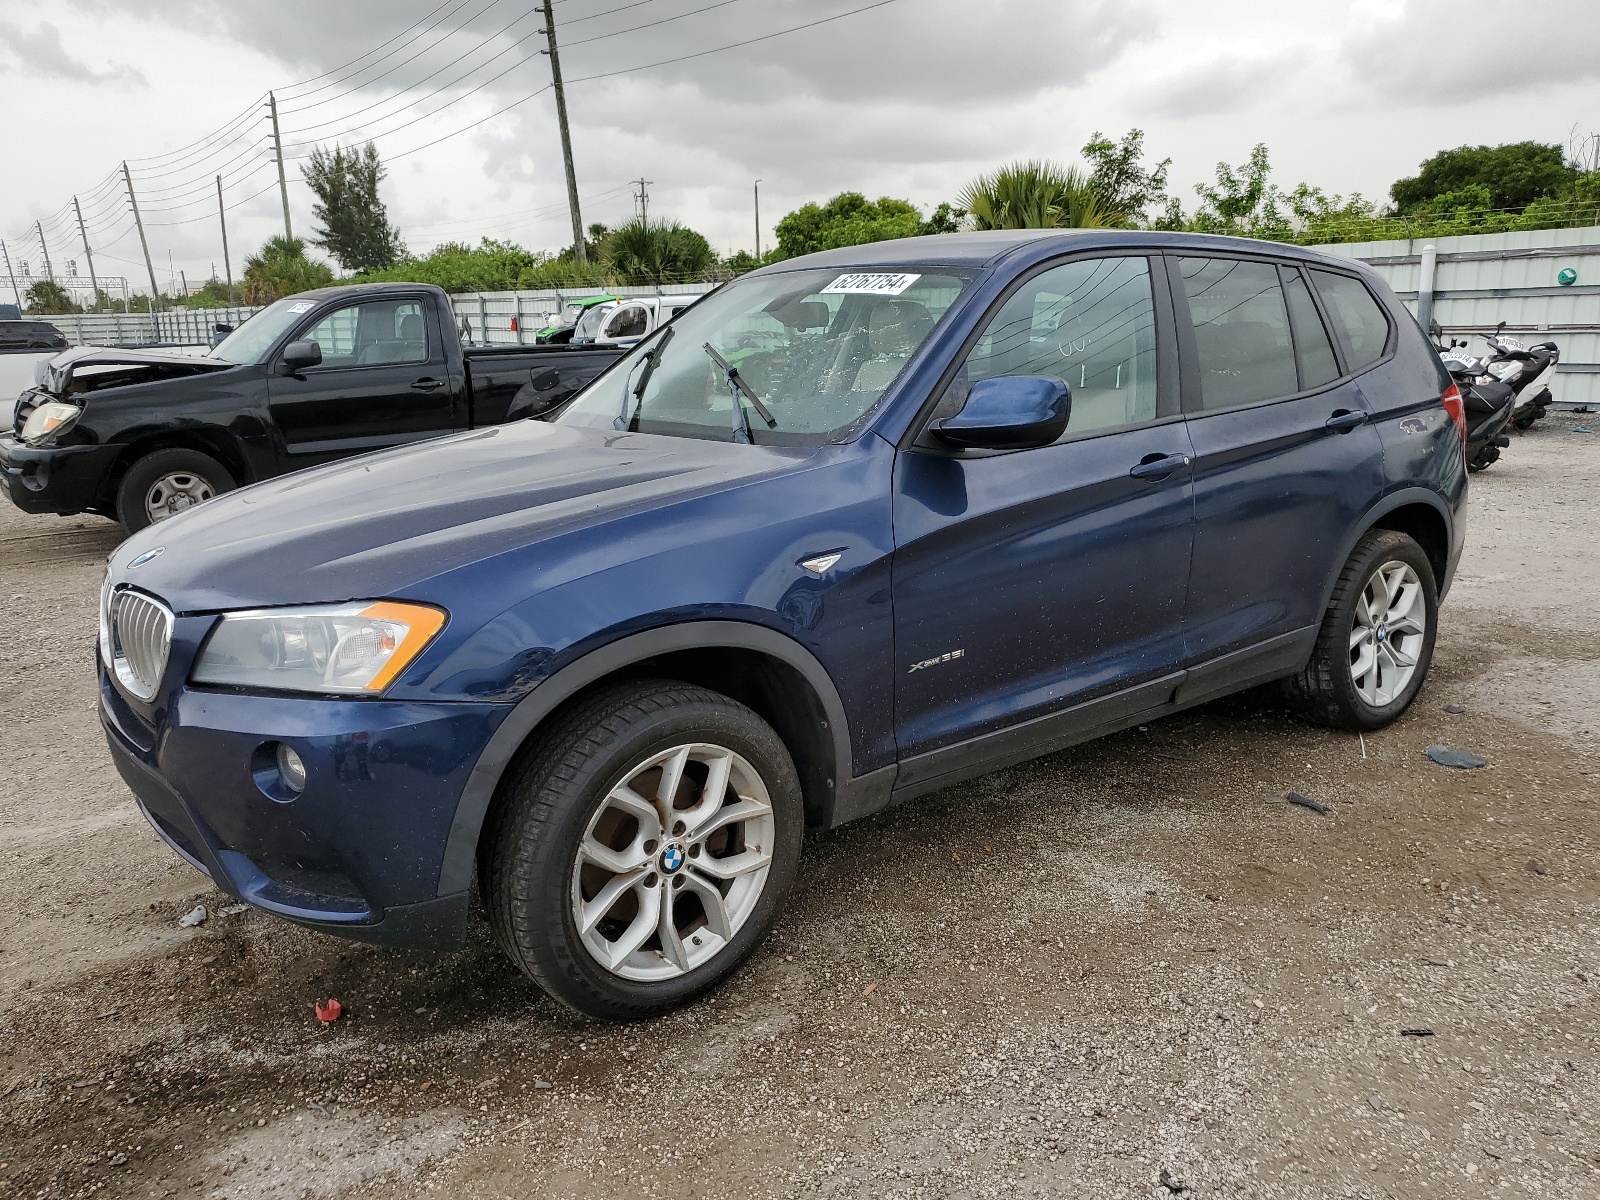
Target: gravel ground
1129,969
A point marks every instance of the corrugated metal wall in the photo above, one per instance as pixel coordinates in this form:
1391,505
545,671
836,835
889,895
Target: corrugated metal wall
489,314
1483,279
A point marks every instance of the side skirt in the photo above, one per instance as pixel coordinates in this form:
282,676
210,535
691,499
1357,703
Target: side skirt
948,765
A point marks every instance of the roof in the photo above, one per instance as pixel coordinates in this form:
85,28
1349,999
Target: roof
985,247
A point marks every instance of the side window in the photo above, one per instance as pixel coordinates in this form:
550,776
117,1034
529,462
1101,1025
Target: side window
376,333
1241,331
1358,320
1311,345
631,320
1090,323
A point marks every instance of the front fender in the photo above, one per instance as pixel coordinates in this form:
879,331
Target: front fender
461,850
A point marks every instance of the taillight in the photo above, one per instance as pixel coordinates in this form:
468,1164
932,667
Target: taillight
1453,404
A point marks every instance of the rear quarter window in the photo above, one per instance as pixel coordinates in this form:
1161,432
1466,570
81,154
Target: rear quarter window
1359,321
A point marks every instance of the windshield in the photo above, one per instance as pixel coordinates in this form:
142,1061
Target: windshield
250,342
589,324
817,348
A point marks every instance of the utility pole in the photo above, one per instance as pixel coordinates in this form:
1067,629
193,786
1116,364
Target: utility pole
155,288
222,216
644,198
48,273
758,222
87,253
15,290
578,250
283,184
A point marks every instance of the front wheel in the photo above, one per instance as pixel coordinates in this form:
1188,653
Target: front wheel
642,849
1376,640
165,483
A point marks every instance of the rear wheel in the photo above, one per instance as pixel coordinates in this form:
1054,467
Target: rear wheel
1376,641
165,483
642,848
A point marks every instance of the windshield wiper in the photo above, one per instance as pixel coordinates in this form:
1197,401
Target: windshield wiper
652,356
737,387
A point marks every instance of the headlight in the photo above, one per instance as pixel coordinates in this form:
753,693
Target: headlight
348,648
54,417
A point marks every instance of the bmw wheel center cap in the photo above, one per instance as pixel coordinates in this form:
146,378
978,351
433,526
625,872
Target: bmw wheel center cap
672,858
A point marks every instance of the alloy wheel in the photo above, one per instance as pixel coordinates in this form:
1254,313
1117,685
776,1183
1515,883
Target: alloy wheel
673,862
175,492
1388,634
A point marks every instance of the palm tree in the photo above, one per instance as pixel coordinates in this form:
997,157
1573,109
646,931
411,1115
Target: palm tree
280,268
651,252
1038,194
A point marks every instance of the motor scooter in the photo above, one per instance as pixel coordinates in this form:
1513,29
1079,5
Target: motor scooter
1488,403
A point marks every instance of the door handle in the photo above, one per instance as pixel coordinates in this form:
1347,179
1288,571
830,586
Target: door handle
427,385
1344,420
1156,467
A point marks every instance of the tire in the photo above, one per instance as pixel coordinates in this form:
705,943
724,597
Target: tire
561,799
1332,690
188,477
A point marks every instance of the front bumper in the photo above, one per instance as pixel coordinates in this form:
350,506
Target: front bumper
359,851
54,479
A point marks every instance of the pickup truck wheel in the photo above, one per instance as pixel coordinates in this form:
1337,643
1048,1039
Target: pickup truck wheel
165,483
1376,641
642,848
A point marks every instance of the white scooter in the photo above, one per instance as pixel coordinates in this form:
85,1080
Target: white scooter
1527,369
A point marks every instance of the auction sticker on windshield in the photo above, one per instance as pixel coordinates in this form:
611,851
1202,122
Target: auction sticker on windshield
871,285
302,307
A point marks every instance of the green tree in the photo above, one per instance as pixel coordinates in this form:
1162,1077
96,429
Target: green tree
48,298
1515,175
1118,176
280,268
213,295
849,219
490,266
651,252
1036,195
355,225
944,219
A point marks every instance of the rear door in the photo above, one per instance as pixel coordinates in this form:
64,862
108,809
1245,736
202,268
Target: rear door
384,381
1286,461
1030,581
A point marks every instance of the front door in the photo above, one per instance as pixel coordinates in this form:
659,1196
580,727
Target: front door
383,382
1029,582
1286,460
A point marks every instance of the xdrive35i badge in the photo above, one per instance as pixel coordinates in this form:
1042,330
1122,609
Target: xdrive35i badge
934,662
145,557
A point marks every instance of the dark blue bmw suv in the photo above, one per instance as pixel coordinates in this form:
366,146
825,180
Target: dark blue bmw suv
855,527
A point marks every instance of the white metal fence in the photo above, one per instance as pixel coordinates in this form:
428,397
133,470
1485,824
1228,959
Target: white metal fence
512,318
492,318
1483,279
178,327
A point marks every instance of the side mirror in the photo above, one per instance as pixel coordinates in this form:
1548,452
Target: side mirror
1009,412
297,356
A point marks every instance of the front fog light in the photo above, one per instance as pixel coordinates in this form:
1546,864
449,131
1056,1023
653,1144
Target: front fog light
291,768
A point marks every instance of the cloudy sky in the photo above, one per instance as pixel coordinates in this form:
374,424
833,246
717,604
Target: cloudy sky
907,98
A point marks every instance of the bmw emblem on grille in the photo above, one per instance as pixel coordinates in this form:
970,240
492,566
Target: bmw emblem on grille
145,557
672,858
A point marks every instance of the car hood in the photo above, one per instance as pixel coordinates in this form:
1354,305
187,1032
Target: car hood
94,368
383,524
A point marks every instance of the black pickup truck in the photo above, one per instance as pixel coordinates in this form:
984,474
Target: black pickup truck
138,435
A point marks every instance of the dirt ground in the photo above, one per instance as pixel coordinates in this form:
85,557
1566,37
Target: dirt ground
1130,969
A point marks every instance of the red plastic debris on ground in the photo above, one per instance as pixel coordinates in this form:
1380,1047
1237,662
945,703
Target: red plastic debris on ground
329,1010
